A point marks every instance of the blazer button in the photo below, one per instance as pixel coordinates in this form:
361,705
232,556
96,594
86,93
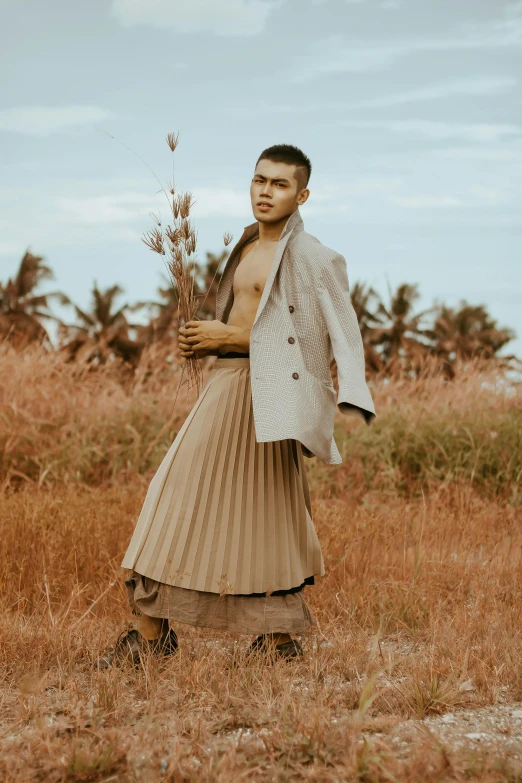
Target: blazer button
291,308
291,340
295,375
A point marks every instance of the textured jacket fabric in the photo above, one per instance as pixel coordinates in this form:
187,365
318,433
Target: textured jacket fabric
304,319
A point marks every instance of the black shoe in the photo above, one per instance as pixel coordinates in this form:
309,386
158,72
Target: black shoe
286,650
131,645
164,645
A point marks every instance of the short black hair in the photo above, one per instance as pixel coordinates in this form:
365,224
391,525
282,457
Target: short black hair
287,153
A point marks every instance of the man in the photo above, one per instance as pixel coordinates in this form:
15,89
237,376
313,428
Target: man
225,538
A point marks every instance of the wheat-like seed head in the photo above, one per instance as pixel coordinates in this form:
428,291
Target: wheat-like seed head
190,245
172,140
185,229
154,240
185,204
173,235
178,256
227,238
190,238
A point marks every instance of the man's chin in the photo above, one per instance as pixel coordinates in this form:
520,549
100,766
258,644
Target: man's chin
269,217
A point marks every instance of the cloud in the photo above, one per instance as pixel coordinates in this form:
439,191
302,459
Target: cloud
225,202
226,17
486,195
474,196
499,33
475,86
135,206
427,202
329,198
511,155
12,248
514,9
386,4
339,54
472,132
111,208
43,120
375,195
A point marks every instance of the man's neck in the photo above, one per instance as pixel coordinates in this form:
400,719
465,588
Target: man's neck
270,232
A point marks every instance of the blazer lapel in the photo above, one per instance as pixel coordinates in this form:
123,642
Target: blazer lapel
293,222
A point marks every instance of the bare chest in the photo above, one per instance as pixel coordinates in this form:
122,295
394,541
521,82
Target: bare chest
252,270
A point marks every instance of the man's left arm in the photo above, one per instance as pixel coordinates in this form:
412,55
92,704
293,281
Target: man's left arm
354,397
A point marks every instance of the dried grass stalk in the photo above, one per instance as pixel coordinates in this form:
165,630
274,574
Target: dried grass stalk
177,244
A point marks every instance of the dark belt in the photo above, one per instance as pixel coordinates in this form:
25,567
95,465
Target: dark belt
310,580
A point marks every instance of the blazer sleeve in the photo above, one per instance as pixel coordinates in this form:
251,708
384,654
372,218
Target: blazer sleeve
354,398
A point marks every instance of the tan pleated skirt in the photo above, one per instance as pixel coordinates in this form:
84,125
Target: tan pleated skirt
225,514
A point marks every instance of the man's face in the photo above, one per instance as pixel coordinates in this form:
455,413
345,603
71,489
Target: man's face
275,184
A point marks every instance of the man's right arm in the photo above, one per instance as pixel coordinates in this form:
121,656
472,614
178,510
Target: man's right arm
334,297
219,338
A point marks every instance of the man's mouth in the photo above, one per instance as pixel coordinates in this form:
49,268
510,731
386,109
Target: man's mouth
264,205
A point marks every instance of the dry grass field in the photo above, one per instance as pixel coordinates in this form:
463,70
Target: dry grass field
414,671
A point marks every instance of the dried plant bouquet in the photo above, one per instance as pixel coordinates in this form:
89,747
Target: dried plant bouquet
176,242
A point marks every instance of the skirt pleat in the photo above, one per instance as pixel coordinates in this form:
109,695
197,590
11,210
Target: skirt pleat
223,513
234,540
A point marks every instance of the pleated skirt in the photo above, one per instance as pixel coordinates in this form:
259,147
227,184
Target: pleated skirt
225,514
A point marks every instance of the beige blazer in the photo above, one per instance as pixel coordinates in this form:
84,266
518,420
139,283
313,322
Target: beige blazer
304,318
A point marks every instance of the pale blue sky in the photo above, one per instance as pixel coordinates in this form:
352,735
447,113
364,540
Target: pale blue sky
410,110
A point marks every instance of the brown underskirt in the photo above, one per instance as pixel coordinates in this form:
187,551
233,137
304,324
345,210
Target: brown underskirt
236,613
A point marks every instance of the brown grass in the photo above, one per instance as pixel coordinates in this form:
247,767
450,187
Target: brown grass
419,612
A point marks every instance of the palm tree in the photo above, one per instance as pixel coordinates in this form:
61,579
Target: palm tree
208,281
21,308
164,327
466,333
402,341
103,333
364,300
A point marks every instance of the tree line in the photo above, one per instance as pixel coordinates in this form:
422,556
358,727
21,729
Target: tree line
397,338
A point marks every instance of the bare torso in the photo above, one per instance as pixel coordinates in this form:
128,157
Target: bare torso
249,281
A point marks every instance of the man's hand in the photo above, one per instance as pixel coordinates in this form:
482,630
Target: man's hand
201,338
